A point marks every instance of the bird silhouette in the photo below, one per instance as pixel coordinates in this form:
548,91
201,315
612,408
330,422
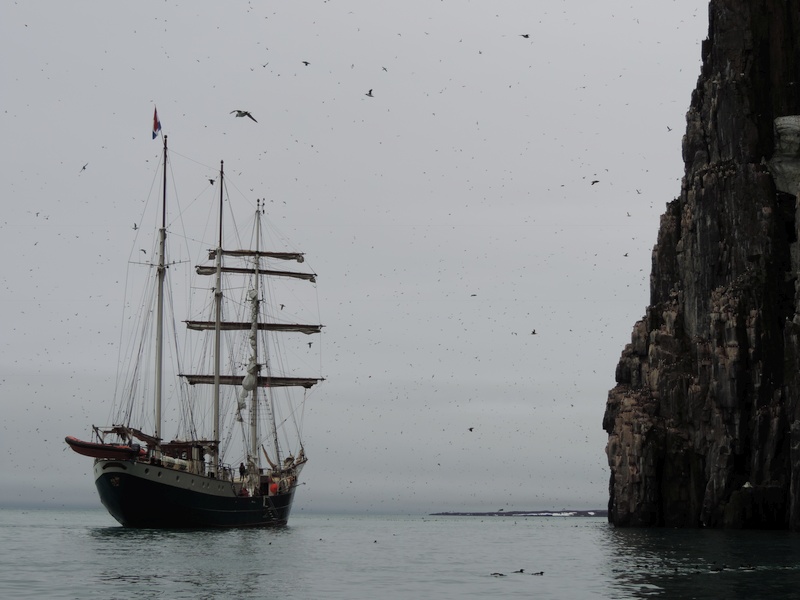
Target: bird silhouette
533,332
83,168
525,35
471,428
211,181
306,63
243,113
143,250
369,93
595,181
135,227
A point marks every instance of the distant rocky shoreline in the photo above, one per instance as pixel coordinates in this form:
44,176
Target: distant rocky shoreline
527,513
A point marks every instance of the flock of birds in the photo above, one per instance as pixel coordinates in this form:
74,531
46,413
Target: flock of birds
520,572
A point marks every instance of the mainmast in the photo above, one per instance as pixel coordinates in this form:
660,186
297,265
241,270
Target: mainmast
218,324
162,270
267,366
254,336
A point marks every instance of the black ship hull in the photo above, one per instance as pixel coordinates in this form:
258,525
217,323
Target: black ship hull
142,495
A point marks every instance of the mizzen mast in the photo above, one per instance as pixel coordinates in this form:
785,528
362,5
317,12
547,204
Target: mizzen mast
218,325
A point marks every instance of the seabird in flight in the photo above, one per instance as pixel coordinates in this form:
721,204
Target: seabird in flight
243,113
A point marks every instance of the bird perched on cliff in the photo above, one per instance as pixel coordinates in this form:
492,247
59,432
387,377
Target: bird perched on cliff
243,113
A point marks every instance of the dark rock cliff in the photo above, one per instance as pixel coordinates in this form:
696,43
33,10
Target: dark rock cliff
704,422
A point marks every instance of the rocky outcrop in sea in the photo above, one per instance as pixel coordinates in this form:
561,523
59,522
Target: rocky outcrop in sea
704,421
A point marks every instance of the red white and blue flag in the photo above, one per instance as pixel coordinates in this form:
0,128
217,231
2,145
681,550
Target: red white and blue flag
156,123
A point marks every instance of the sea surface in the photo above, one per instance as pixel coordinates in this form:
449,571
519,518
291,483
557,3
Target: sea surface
84,554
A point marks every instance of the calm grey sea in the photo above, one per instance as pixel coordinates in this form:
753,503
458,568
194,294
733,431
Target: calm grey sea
85,554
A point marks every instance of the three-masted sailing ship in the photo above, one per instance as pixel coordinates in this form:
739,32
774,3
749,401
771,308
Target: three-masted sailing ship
146,480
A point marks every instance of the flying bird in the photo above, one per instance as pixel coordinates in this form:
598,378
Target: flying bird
525,35
143,250
385,69
211,181
595,181
83,168
369,93
306,63
135,227
243,113
533,332
471,428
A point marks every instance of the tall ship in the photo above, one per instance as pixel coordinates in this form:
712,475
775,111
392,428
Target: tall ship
236,457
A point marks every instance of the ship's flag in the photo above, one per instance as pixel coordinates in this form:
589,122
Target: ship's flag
156,123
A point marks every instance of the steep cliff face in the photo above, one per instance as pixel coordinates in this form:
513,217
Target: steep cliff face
704,422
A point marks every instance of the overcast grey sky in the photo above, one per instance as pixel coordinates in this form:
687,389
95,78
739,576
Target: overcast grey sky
447,216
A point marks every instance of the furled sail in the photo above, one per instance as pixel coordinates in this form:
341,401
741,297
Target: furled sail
243,325
261,381
210,270
298,256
